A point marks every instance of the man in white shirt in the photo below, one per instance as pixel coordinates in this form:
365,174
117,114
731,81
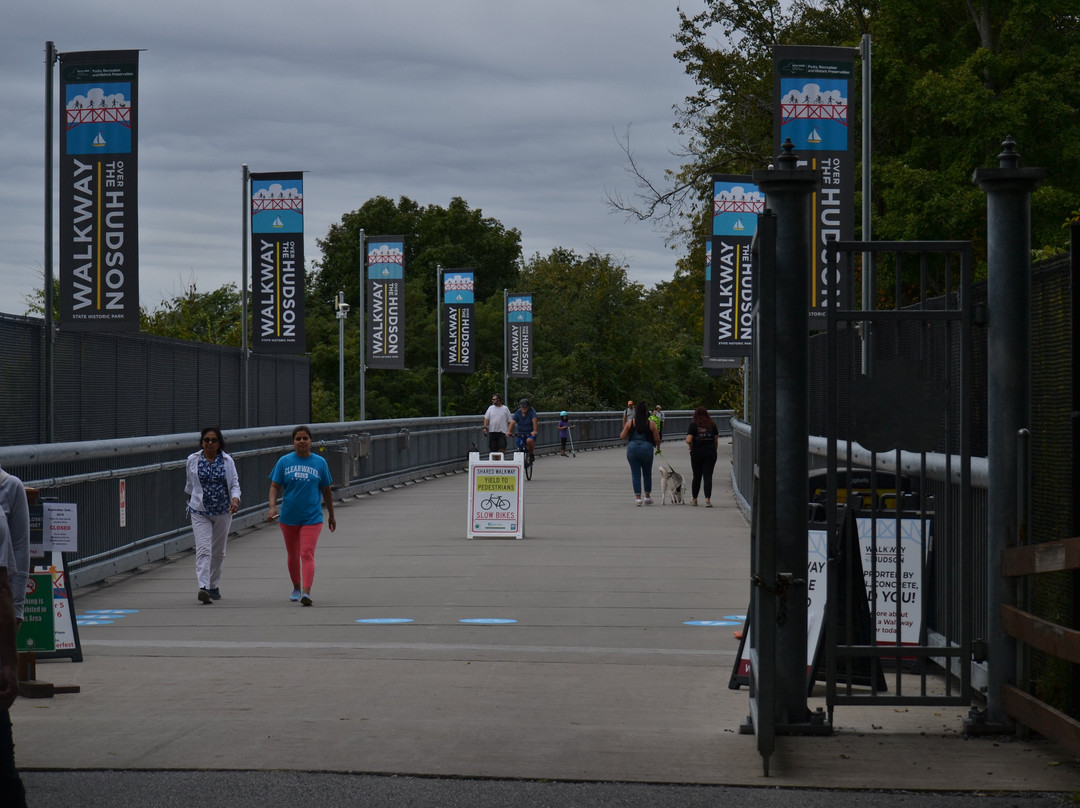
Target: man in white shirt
14,569
497,424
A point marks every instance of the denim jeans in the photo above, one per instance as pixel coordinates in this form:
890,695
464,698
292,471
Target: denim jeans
639,454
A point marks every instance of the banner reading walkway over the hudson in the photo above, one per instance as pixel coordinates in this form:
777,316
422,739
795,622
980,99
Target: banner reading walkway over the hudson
812,86
519,322
99,224
386,302
277,247
458,296
729,271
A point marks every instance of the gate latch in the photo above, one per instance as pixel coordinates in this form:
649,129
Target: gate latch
784,582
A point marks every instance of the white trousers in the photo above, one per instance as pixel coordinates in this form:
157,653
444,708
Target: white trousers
211,533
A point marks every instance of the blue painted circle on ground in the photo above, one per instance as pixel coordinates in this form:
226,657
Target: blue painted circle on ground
491,621
385,620
709,623
734,616
112,611
82,621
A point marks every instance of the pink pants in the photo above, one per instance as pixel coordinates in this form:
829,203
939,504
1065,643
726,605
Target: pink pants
300,541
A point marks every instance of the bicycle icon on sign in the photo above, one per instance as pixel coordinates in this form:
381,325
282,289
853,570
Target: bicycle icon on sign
495,503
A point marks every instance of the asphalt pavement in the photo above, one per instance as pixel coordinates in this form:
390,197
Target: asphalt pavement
586,664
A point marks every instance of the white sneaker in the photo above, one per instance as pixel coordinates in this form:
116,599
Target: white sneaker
648,500
305,600
637,501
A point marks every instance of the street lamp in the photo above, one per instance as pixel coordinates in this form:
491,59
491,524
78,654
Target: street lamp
342,309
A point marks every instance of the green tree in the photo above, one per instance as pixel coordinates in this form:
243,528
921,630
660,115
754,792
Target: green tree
454,237
952,80
212,317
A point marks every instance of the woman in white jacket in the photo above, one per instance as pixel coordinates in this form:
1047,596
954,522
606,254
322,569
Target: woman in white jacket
213,492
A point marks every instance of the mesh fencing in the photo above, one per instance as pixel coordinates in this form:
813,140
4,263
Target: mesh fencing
119,385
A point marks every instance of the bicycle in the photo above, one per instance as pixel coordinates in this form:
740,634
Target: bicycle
495,502
523,446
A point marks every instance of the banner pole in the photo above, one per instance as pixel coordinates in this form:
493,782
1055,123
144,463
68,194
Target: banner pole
50,60
363,328
245,201
506,370
438,330
869,281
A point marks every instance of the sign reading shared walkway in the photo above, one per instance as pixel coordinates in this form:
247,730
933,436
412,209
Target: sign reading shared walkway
496,497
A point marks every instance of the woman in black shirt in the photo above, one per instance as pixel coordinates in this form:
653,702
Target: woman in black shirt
702,437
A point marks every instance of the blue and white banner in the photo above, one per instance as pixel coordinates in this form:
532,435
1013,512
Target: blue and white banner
458,298
519,324
277,248
99,213
812,87
729,271
386,302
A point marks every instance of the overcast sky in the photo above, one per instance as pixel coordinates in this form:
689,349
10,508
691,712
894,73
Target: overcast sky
516,107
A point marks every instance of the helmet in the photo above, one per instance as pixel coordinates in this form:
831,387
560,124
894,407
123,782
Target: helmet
563,413
523,403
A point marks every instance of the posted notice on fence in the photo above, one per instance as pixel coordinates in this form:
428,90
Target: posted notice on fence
892,564
60,527
496,497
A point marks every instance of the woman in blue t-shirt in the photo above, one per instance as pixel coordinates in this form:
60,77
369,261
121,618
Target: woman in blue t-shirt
302,480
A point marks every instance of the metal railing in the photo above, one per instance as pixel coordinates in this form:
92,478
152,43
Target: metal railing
946,526
130,491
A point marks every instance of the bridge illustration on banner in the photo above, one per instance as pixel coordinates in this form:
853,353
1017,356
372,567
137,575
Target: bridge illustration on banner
77,115
738,203
287,201
818,108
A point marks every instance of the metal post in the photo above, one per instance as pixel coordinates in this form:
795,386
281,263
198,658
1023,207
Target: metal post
438,329
788,193
363,328
869,279
342,309
245,393
50,60
506,347
1008,288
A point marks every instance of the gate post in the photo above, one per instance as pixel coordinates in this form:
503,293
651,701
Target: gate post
787,191
1008,241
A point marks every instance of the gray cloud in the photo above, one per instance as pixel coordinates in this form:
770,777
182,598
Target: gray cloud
514,107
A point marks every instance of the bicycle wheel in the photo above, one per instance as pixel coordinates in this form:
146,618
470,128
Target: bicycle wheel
528,467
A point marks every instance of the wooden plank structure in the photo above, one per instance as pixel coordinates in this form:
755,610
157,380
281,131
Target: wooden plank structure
1048,637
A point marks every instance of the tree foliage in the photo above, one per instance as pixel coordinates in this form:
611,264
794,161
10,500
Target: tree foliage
599,339
951,80
212,317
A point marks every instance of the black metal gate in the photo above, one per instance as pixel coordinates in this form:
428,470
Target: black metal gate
896,499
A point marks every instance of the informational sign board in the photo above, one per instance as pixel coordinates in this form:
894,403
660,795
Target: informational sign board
496,496
65,630
60,527
36,632
892,565
817,590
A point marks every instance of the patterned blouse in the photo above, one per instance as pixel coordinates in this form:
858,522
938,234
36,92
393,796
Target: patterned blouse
215,490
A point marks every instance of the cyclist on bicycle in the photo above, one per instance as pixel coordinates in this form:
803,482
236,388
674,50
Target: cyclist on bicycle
526,426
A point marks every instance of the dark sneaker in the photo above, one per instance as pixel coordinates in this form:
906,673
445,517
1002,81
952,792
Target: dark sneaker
215,593
305,600
204,596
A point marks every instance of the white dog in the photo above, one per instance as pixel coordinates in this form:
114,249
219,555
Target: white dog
671,484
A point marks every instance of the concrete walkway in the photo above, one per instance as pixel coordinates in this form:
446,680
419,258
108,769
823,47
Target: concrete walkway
598,677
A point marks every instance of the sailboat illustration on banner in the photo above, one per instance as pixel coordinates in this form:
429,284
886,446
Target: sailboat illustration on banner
815,136
278,222
738,225
99,141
